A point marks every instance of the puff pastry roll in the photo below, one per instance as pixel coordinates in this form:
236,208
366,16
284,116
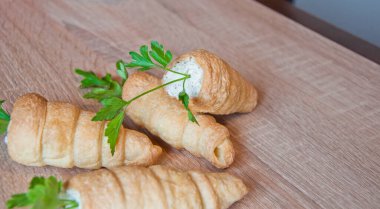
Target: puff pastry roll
166,117
214,87
156,187
60,134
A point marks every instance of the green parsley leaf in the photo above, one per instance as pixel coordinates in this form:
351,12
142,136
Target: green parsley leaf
112,110
141,61
100,94
101,88
36,181
121,70
112,130
184,97
4,119
90,79
168,56
144,52
43,193
191,117
111,107
18,200
158,54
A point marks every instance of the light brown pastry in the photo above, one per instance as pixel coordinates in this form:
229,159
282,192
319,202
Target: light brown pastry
215,87
166,117
156,187
60,134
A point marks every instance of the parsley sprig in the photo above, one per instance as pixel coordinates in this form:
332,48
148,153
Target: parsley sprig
43,193
144,61
100,88
108,91
4,119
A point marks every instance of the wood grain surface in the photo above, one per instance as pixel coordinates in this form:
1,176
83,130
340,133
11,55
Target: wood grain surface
312,142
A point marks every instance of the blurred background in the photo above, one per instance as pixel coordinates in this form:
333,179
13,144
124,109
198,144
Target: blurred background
354,24
359,17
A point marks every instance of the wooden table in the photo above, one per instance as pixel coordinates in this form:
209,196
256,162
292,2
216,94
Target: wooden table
312,142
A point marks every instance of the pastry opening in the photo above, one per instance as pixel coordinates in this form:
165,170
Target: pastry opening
218,152
192,85
223,154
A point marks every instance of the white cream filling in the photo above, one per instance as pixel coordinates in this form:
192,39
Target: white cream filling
193,84
72,194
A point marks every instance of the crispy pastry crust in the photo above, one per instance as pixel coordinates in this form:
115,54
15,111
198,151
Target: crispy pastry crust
60,134
157,187
166,117
25,130
224,90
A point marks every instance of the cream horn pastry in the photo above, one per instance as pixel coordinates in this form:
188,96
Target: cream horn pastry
214,87
62,135
156,187
166,117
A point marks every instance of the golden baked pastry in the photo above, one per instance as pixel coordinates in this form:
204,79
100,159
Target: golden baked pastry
166,117
60,134
156,187
214,87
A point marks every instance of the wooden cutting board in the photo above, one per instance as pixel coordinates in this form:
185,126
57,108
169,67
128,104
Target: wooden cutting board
312,142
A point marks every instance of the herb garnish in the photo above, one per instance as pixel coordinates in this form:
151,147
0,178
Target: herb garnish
101,88
43,193
108,91
4,119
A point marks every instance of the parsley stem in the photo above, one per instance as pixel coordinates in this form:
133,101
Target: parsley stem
68,201
183,85
170,70
157,87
